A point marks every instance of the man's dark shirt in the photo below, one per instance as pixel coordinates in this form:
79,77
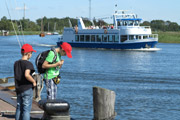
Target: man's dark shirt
21,83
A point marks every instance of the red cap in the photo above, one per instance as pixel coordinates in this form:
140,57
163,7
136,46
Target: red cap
27,48
67,48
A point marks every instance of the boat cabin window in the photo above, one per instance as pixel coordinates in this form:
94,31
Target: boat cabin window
145,37
116,38
130,23
87,38
136,36
113,38
131,37
81,38
110,38
123,38
104,38
77,38
93,38
136,23
98,38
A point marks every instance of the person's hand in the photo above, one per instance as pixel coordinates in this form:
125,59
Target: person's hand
34,84
62,62
58,63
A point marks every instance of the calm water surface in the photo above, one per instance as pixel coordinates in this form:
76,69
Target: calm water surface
147,84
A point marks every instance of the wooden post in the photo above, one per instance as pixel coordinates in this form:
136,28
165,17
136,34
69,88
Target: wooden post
103,103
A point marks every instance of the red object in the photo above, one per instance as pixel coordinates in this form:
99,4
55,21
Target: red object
67,48
27,48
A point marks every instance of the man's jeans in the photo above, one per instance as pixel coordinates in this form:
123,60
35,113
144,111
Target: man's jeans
24,103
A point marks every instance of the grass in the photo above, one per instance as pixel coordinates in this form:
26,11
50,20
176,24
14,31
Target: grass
169,37
26,33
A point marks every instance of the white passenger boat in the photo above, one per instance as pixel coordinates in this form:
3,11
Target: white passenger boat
125,33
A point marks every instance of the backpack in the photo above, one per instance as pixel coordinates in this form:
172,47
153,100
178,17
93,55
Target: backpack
41,58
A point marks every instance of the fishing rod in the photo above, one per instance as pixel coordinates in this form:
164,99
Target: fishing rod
21,29
13,24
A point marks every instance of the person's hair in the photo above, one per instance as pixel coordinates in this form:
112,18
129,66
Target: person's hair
60,44
25,53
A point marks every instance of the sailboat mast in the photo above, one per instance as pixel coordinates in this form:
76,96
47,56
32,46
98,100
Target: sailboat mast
55,27
42,27
24,10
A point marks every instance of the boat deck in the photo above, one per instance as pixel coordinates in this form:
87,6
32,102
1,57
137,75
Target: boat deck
8,106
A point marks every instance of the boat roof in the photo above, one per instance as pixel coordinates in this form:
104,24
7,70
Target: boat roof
132,19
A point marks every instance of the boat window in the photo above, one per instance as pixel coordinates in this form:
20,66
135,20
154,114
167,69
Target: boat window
93,38
98,38
139,37
118,23
131,37
136,37
121,23
77,38
124,23
110,38
123,38
104,38
116,38
87,38
130,23
136,23
113,38
81,38
145,37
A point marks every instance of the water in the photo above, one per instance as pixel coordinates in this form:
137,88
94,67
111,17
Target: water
146,83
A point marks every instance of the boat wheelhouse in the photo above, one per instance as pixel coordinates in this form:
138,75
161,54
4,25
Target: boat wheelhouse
125,33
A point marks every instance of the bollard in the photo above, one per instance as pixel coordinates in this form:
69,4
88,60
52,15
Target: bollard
56,109
104,104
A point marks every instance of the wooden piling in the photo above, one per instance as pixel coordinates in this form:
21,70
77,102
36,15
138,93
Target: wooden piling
103,103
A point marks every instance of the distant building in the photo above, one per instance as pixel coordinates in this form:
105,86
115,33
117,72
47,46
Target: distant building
5,32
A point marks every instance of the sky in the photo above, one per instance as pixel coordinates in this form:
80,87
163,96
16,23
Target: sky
148,10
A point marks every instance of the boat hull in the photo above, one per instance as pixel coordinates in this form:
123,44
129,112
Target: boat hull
135,45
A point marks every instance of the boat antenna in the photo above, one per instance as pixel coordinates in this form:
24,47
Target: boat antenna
115,8
13,24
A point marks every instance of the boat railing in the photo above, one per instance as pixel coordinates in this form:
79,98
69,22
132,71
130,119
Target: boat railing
153,36
146,27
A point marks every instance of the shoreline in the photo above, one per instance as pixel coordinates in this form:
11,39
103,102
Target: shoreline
163,37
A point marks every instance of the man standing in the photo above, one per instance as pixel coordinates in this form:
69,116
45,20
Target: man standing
24,83
52,77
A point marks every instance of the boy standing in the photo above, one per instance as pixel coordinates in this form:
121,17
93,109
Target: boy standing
24,83
53,68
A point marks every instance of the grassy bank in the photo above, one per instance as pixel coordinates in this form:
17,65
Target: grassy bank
169,37
26,33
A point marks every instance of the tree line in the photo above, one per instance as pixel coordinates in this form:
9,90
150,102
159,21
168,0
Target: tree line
57,24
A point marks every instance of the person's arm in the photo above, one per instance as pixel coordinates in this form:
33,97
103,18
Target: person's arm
47,65
29,77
